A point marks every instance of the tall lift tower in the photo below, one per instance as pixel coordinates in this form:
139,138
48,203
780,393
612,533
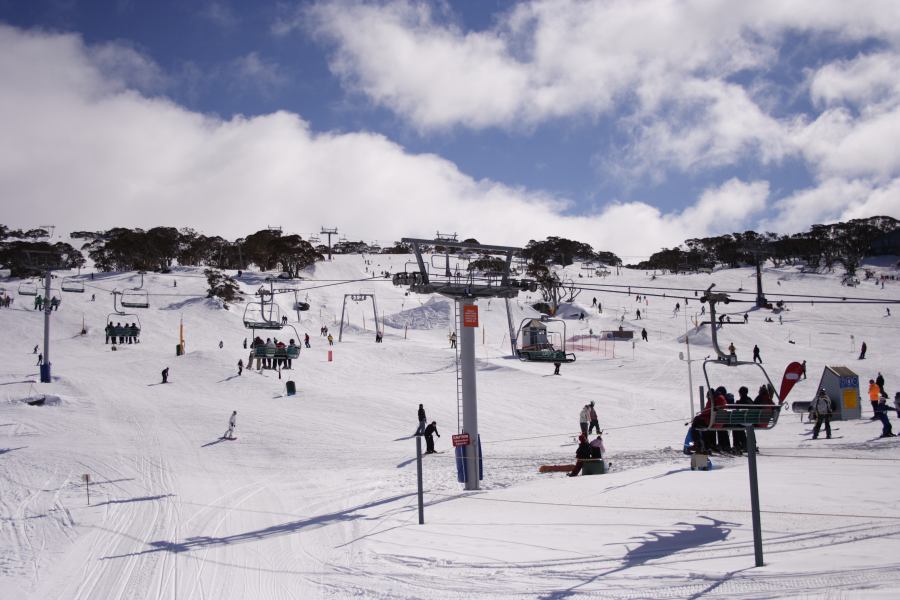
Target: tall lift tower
465,289
329,232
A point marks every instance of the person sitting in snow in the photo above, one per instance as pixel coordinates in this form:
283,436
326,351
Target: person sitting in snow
582,453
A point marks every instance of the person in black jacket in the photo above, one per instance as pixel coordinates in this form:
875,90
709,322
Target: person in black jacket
430,431
739,438
422,421
581,454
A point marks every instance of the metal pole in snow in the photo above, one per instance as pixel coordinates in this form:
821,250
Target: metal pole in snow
45,367
419,478
754,496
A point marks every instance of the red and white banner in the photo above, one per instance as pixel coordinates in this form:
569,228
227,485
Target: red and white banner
791,376
460,439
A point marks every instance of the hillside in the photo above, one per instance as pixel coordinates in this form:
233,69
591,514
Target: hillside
317,496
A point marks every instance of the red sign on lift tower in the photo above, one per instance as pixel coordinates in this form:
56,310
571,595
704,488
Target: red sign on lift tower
470,315
460,439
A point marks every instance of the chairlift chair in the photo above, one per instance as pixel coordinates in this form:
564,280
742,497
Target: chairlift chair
125,330
262,315
135,298
537,345
70,284
28,289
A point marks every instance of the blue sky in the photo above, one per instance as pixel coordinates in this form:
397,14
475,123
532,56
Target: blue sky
630,125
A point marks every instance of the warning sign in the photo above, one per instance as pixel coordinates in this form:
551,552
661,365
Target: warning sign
460,439
470,315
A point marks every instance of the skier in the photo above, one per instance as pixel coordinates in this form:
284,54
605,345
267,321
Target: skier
756,356
40,359
581,454
746,318
644,335
245,343
595,423
232,423
638,314
221,344
452,339
821,408
881,409
35,349
595,302
165,375
306,340
584,417
430,431
556,366
862,351
240,366
330,340
422,420
803,372
879,381
874,395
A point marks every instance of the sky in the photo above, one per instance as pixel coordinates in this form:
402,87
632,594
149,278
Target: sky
631,125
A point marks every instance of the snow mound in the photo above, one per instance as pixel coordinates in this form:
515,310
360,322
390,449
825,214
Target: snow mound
39,400
433,314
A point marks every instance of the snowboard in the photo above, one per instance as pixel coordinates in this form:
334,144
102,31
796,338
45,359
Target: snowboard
555,468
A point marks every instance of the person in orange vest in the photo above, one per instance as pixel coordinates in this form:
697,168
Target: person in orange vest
874,395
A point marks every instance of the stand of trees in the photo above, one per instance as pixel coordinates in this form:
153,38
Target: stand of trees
24,258
822,247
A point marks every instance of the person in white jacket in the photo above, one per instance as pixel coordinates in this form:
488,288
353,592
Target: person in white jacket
822,410
232,423
585,418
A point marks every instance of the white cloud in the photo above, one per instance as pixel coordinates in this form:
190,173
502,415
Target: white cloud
676,76
81,152
253,70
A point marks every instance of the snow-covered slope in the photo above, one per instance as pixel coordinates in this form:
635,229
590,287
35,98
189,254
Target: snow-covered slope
316,498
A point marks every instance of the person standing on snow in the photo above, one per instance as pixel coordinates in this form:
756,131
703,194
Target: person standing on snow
165,375
881,409
240,366
232,423
756,357
595,423
644,334
862,351
879,381
423,420
330,340
803,372
306,340
429,432
584,417
874,395
821,407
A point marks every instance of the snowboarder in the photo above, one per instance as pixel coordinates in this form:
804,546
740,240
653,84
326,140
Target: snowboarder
165,375
429,432
423,420
232,423
862,351
584,417
240,366
821,408
879,381
644,335
582,453
756,357
595,423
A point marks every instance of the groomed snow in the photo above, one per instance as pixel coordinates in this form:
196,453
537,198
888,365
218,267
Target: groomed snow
317,496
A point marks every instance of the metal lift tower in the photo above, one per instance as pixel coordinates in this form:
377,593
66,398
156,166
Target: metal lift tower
464,289
329,232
